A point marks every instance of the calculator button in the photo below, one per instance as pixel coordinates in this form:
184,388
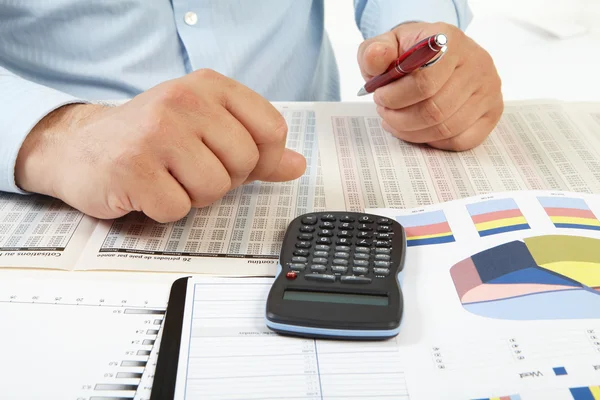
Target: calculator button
319,260
384,221
359,270
320,277
343,242
384,257
361,263
342,248
299,259
339,268
318,268
326,233
309,220
297,266
301,252
347,218
364,227
307,228
303,245
346,226
344,234
361,256
341,254
305,236
340,261
383,264
323,240
328,217
362,250
381,271
291,275
322,247
321,253
382,250
384,228
363,242
364,235
383,243
327,225
384,236
365,219
355,279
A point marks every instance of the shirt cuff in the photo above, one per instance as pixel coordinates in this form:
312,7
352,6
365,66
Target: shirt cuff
380,16
23,104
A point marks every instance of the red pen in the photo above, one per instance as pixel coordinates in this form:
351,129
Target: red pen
419,56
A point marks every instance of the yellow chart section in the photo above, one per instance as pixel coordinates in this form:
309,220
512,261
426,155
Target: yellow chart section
484,226
434,235
587,273
575,220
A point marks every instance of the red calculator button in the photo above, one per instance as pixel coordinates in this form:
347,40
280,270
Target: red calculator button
291,275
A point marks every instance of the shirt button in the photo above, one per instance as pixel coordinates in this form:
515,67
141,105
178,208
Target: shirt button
190,18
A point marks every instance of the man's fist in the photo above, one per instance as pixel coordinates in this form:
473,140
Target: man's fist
454,104
181,144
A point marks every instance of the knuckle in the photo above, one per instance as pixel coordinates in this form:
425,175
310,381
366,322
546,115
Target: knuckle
208,74
176,94
279,129
430,113
250,161
443,132
218,189
426,85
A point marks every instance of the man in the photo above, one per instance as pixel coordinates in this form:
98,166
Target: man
201,74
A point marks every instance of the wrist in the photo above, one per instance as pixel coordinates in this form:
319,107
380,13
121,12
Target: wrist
39,162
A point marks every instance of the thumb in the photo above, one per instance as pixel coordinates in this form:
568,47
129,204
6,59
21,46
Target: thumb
376,54
291,166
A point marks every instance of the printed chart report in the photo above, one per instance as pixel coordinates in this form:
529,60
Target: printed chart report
77,339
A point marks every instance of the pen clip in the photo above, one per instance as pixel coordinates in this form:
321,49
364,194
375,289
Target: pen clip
438,58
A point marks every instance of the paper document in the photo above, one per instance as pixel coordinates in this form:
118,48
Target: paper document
77,339
501,300
536,145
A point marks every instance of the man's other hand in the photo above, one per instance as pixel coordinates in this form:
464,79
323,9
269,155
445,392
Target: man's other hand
184,143
454,104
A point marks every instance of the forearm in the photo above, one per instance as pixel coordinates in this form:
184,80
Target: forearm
23,105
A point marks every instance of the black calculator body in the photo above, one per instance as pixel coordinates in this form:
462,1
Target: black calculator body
338,277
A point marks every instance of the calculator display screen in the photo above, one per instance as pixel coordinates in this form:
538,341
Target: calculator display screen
329,297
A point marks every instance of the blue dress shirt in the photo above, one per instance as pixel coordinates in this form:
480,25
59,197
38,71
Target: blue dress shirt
57,52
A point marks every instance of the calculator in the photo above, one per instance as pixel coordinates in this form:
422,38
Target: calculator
339,277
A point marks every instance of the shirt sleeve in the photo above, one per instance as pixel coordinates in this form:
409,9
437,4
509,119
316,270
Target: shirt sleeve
374,17
22,105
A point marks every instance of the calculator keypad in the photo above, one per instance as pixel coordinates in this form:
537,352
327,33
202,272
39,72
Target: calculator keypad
345,248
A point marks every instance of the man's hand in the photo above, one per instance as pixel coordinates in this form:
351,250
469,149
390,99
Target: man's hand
181,144
452,105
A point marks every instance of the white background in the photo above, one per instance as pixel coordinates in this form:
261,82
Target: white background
542,48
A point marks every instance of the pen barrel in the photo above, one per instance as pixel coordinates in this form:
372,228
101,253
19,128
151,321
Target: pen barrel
383,79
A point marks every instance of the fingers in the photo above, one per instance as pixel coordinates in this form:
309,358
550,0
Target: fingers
201,174
445,129
264,123
420,85
376,54
232,145
472,137
161,198
290,161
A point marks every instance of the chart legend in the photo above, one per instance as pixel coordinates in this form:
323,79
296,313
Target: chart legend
426,228
569,212
497,216
541,277
558,371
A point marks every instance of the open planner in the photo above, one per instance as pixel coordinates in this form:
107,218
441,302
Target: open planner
501,281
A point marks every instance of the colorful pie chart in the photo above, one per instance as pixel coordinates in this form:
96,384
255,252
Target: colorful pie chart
541,277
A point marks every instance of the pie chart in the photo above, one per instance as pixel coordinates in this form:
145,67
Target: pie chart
540,277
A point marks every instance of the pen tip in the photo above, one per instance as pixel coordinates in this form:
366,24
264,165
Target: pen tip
362,92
